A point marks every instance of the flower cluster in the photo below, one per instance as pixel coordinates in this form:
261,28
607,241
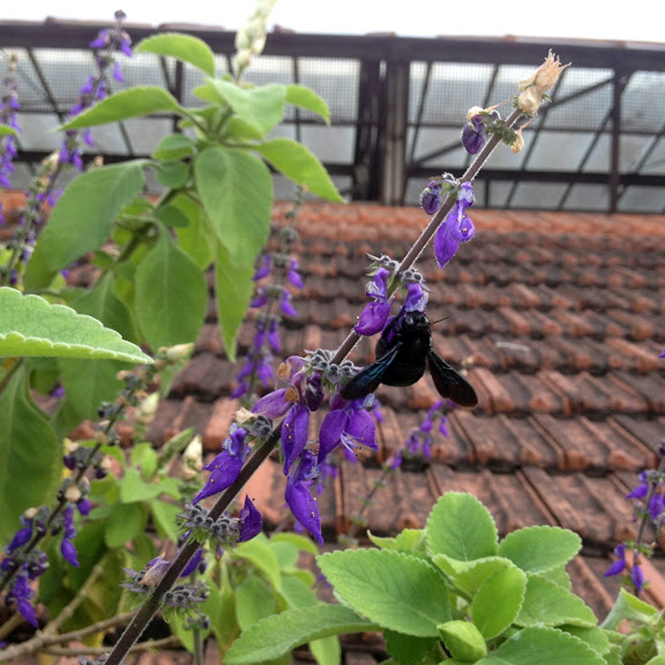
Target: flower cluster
9,107
420,438
251,39
96,88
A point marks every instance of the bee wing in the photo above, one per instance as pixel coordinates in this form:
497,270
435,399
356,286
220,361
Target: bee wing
368,379
449,383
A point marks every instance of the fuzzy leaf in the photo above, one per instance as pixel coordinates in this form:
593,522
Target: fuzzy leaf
398,591
31,326
30,454
295,161
181,47
138,101
280,633
306,98
538,548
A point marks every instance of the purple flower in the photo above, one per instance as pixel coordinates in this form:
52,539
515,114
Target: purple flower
252,522
416,298
373,318
22,536
474,134
192,563
348,423
314,392
273,405
431,197
294,433
456,228
260,298
101,41
641,490
299,498
273,336
293,275
84,506
263,269
226,467
637,575
620,564
285,304
69,552
22,593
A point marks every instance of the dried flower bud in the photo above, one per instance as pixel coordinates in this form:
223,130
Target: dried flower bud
518,143
73,494
148,408
533,88
192,459
242,415
179,352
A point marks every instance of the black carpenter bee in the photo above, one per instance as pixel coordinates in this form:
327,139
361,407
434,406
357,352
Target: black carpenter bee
403,353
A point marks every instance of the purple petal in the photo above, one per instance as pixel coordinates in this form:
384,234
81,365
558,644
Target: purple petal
192,563
330,435
21,537
617,567
360,426
416,299
117,73
273,337
286,306
444,245
637,576
639,492
252,522
463,230
84,506
304,508
473,135
28,611
273,405
69,552
222,476
373,318
294,434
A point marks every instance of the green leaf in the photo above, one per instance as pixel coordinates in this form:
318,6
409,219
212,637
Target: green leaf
124,523
286,553
280,633
498,601
295,161
546,603
138,101
30,454
83,218
629,607
196,239
254,601
174,146
296,593
326,651
233,292
134,489
306,98
171,295
172,217
460,527
595,637
463,640
181,47
262,108
263,558
301,542
236,192
31,326
173,175
538,548
6,130
163,515
469,576
220,607
144,458
408,540
398,591
544,646
410,650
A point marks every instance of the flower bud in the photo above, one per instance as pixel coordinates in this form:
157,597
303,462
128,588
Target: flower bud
518,143
179,352
533,88
192,459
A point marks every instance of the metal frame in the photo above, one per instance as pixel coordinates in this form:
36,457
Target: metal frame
383,163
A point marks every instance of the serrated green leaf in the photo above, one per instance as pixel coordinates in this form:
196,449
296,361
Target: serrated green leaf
174,146
196,239
164,514
296,593
171,295
296,161
126,520
544,646
286,553
261,107
31,326
410,650
144,457
280,633
408,540
233,292
463,640
468,576
301,542
460,527
498,601
630,607
83,218
236,191
263,558
173,175
134,489
137,101
546,603
595,637
181,47
538,548
398,591
220,607
306,98
29,451
254,601
326,651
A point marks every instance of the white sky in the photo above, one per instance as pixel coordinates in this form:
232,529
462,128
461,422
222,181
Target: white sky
641,20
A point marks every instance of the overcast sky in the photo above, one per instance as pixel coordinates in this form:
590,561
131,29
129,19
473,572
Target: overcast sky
641,20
